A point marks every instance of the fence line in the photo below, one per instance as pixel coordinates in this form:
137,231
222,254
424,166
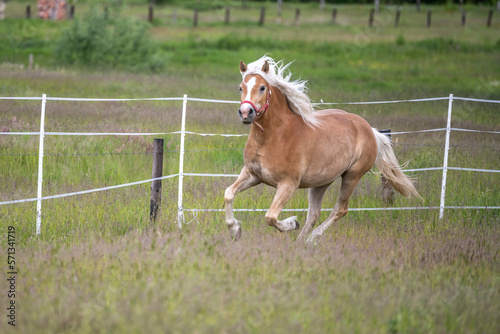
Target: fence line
92,133
76,99
90,190
204,134
182,150
384,102
222,149
356,209
469,130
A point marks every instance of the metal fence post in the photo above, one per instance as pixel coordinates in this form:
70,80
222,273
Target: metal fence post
156,184
40,167
445,162
180,214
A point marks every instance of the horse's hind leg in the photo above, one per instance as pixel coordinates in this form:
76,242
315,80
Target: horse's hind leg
349,182
283,195
315,197
245,180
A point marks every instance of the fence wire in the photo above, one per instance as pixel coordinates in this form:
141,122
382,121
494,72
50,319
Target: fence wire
226,149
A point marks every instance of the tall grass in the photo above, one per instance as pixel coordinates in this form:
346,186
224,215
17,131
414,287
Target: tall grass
368,277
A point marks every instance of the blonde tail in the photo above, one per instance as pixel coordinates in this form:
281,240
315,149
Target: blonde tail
388,165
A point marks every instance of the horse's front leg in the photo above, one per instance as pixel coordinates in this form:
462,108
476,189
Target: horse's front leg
283,195
245,180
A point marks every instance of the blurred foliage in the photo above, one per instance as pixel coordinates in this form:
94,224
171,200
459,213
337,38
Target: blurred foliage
108,40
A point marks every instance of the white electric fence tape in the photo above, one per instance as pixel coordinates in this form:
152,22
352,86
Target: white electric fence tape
90,190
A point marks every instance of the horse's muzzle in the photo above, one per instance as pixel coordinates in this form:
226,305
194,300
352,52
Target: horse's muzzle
247,114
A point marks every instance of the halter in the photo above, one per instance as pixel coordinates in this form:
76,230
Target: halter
262,109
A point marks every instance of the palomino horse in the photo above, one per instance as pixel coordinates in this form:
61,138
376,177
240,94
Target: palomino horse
292,146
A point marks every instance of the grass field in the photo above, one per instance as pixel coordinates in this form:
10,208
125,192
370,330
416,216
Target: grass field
100,265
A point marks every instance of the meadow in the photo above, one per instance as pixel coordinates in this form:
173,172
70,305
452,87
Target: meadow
101,266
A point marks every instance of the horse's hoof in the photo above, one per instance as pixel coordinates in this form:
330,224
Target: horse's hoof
313,239
237,235
297,225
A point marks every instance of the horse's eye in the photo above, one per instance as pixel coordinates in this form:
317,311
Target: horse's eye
239,88
262,88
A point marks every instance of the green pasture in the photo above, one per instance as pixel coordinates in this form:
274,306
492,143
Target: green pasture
101,266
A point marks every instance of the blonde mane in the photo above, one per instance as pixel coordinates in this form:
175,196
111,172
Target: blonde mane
295,91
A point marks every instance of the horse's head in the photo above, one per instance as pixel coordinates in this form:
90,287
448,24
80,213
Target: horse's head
255,94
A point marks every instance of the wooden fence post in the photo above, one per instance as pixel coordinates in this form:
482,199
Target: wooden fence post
398,14
157,172
429,14
463,18
297,16
334,15
28,12
71,12
262,16
387,190
418,5
370,20
195,17
490,15
226,17
280,12
150,14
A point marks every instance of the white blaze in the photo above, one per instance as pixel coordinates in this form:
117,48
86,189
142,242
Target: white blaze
250,85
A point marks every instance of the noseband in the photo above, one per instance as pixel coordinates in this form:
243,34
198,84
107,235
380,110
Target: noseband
262,109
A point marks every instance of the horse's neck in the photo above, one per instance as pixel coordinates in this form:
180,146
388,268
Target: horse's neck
279,118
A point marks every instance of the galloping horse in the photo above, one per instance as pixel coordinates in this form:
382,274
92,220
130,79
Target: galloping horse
293,146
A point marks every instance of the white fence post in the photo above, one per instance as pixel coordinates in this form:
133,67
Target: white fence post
40,168
445,162
180,214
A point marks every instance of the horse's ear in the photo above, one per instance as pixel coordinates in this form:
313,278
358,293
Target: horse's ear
265,67
243,67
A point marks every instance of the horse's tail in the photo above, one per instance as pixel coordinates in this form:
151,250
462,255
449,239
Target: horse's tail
388,165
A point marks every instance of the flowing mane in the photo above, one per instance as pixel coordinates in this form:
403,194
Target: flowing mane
295,91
